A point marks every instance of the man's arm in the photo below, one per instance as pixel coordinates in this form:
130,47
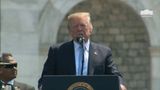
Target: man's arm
48,68
111,68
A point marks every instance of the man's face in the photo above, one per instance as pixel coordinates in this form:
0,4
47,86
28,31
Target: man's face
80,26
8,71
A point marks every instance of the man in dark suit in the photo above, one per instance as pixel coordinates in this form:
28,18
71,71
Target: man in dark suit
8,72
66,58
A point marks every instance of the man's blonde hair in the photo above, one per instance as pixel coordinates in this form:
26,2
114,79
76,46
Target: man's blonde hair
80,14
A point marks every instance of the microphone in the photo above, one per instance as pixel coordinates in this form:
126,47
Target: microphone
80,39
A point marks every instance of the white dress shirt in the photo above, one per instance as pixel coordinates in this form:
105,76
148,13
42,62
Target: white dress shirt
86,56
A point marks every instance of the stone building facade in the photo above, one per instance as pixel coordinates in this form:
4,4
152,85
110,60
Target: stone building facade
118,26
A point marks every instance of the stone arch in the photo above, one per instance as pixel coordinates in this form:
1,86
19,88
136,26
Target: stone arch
118,26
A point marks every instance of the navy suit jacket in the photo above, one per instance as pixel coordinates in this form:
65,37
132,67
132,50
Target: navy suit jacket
61,61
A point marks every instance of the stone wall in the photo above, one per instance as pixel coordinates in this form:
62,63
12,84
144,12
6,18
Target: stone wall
118,26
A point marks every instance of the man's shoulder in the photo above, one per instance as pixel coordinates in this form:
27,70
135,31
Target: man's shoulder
23,86
100,46
62,45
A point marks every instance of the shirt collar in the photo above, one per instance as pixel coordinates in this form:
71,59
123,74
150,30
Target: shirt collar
11,82
85,44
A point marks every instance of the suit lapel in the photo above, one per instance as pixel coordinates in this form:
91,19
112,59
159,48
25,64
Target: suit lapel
67,56
71,57
92,58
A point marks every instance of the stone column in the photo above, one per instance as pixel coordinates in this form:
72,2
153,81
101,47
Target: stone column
155,75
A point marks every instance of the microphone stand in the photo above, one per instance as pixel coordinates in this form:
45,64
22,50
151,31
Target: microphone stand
80,40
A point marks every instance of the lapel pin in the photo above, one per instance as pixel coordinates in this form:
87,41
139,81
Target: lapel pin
95,53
